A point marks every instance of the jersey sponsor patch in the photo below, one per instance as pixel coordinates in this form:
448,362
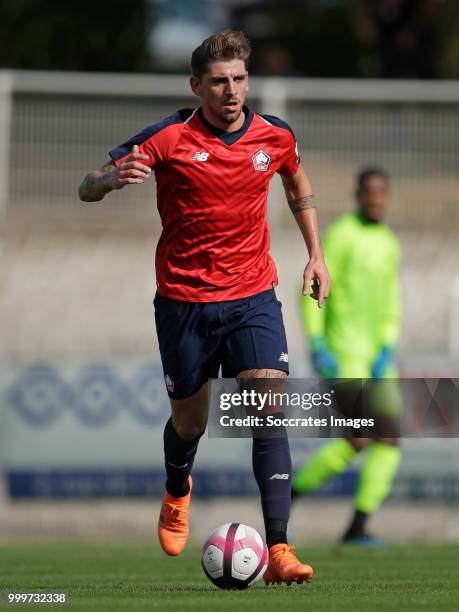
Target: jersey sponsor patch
261,161
279,477
283,357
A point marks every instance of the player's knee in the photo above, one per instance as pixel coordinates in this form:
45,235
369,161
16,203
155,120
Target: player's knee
359,444
262,373
389,441
189,430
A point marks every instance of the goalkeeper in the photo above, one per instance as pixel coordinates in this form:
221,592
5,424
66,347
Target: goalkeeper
354,336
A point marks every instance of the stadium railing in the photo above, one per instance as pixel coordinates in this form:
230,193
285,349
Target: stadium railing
54,126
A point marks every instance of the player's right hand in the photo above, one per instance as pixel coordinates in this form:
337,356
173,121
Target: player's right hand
131,171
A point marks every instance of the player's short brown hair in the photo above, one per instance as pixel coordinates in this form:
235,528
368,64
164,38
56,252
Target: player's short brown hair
223,46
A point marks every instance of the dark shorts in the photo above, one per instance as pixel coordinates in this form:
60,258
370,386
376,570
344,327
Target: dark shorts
197,338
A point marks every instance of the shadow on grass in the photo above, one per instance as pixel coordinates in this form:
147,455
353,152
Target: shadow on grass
173,588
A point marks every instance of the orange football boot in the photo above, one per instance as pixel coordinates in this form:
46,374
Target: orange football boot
173,527
283,566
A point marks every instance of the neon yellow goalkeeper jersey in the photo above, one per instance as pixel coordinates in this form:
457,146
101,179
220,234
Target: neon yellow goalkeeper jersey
362,313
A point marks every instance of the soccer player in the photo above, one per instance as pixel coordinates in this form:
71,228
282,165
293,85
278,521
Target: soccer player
215,304
354,337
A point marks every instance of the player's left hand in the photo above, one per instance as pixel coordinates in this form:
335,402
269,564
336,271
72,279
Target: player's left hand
316,273
382,362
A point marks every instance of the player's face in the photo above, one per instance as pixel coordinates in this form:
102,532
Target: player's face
373,198
222,90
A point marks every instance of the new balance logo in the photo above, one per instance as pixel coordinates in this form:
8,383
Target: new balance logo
280,477
284,357
200,156
179,467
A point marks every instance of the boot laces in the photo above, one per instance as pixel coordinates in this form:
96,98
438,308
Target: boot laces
176,514
286,554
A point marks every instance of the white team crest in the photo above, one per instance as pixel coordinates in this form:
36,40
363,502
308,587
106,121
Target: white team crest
261,161
200,156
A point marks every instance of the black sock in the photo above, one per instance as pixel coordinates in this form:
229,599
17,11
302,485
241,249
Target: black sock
272,467
357,527
179,457
276,532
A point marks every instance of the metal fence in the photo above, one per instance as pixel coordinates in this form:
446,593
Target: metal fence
54,127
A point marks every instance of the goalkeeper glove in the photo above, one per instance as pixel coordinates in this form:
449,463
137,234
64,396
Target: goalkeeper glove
382,362
323,360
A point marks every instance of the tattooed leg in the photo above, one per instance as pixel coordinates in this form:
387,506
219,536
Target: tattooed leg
261,373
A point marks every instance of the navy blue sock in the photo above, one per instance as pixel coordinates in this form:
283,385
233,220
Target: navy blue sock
272,467
179,456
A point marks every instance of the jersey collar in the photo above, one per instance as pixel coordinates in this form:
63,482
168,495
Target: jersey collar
228,138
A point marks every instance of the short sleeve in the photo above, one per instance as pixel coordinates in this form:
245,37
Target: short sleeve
289,161
157,140
148,145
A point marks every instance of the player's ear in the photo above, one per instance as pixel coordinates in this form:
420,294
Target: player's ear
195,85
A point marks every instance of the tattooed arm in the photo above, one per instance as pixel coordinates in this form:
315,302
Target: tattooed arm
304,203
98,183
95,184
301,201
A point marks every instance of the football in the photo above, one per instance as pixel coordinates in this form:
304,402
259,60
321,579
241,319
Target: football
234,556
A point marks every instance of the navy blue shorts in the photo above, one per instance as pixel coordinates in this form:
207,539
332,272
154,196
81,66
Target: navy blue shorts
197,338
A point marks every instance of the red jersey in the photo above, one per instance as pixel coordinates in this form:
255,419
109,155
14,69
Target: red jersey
212,189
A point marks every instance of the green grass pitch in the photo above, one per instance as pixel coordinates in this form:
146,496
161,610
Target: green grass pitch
140,577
